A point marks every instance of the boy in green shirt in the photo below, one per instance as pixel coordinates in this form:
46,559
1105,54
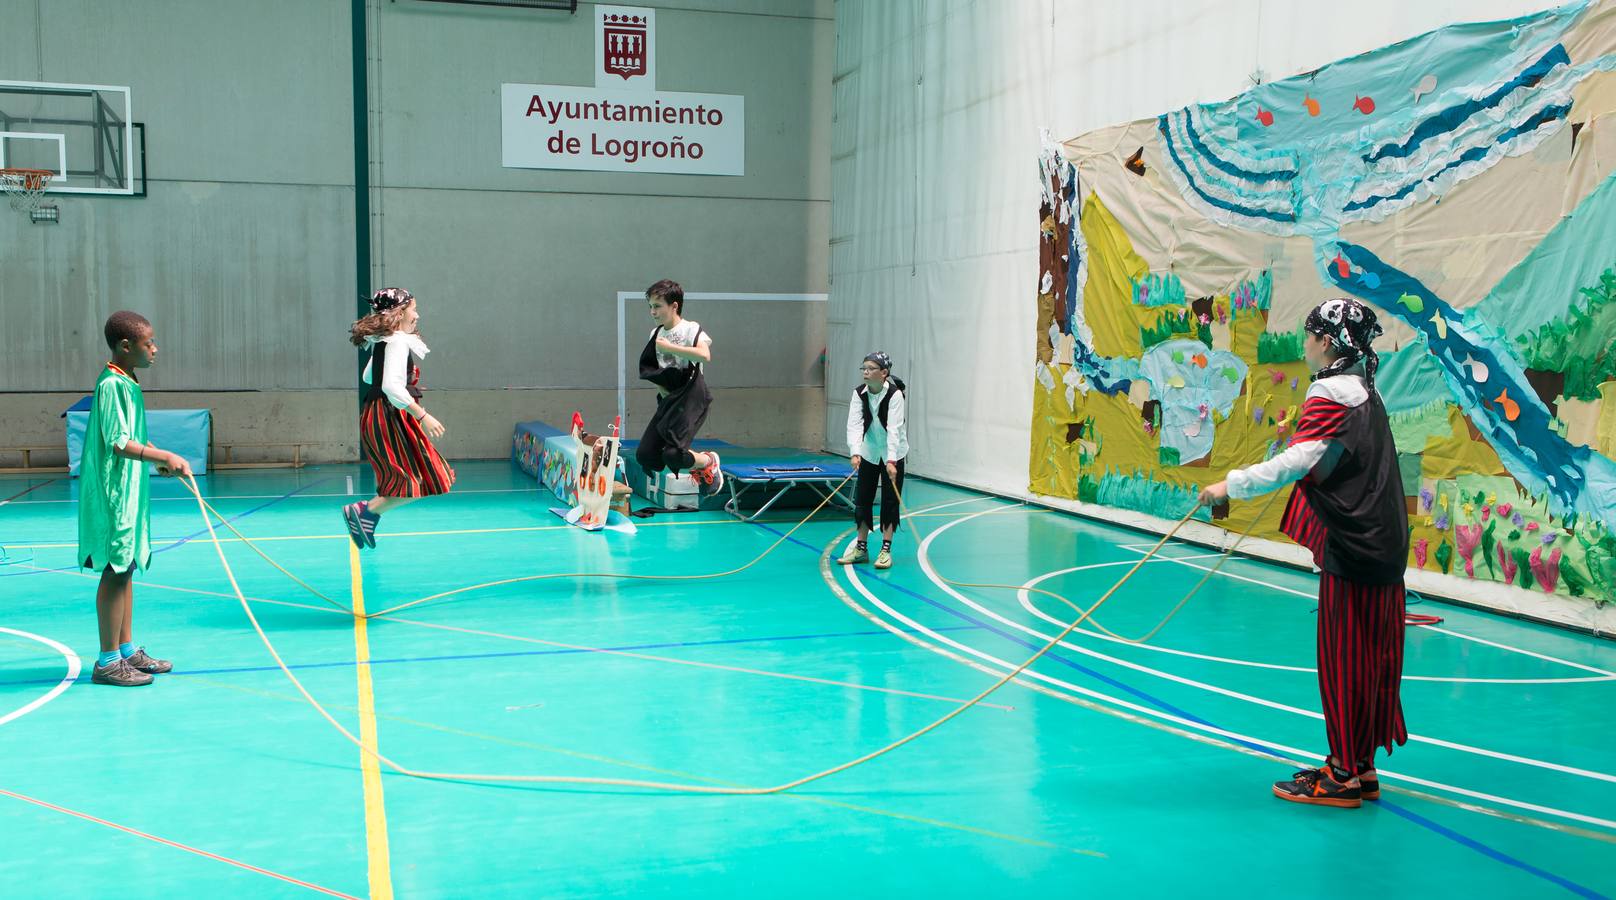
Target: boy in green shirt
114,509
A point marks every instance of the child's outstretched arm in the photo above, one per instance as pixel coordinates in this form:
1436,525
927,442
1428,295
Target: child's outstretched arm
1312,448
167,463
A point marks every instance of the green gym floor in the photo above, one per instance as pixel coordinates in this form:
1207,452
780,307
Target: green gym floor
1110,770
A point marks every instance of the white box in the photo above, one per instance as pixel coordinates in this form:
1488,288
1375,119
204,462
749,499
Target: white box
671,491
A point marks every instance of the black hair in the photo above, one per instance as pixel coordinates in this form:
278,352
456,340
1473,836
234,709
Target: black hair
124,325
668,291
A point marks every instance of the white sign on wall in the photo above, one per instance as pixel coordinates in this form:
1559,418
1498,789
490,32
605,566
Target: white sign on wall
623,123
625,48
557,126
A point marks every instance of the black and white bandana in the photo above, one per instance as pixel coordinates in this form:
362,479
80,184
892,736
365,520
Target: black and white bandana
389,298
1350,327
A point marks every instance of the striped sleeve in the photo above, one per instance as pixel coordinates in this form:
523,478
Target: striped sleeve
1321,420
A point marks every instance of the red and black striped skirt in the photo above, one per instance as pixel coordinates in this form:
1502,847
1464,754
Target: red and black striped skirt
406,463
1361,668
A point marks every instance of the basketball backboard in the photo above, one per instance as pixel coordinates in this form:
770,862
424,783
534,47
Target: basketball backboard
82,133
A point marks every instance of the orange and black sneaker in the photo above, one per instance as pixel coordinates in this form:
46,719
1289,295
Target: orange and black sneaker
1369,784
1320,787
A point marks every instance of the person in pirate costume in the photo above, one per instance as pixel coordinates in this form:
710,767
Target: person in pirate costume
878,442
394,430
1350,512
673,360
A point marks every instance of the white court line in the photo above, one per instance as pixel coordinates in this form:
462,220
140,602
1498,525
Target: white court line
1030,605
67,680
853,576
925,565
1447,631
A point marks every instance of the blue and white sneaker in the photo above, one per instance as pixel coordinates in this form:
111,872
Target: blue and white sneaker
361,524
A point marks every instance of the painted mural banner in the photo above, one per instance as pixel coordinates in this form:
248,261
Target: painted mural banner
1462,183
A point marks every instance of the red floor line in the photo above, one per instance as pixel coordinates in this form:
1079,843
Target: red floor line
175,844
29,490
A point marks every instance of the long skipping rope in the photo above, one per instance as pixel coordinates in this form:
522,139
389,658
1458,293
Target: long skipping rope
205,509
1228,553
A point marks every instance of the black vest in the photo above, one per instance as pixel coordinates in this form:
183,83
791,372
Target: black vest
378,365
669,378
894,385
1361,501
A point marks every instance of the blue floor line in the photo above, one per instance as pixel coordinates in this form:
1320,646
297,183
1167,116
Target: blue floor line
189,537
1409,815
1491,852
348,664
972,624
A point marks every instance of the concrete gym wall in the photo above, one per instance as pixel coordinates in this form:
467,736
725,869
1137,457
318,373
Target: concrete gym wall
243,252
240,253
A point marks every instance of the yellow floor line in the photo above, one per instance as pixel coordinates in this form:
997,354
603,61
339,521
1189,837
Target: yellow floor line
609,760
381,870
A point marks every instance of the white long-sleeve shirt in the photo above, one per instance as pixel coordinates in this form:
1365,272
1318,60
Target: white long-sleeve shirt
396,367
1302,457
879,444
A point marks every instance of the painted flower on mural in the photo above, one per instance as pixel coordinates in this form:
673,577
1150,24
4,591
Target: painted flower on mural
1468,538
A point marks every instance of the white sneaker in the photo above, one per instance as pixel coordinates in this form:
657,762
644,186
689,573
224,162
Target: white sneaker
715,475
855,554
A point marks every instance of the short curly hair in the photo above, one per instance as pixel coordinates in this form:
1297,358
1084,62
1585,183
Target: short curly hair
124,325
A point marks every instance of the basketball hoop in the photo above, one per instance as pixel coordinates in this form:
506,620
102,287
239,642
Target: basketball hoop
25,188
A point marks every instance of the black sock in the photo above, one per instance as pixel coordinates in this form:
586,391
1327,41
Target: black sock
886,544
863,545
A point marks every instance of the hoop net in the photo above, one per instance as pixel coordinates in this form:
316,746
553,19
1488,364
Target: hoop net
25,188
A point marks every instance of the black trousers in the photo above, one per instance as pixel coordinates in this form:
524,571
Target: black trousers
869,476
655,453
